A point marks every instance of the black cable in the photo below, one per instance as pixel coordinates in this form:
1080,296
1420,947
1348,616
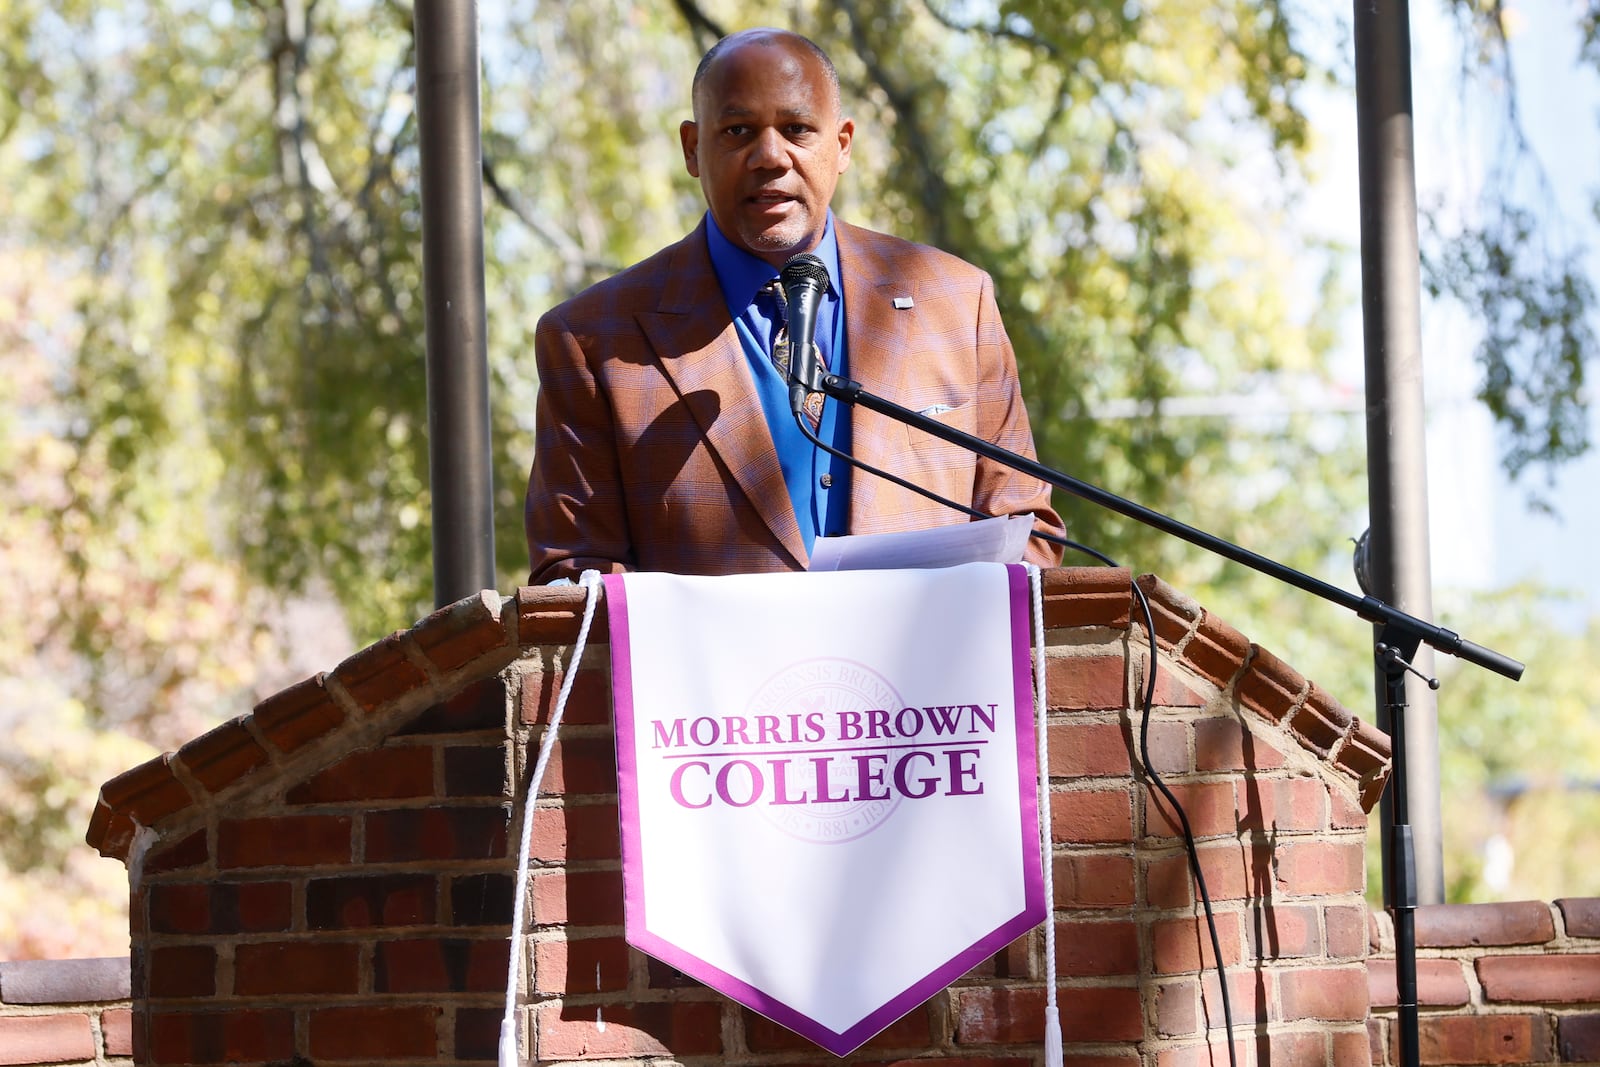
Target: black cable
1146,711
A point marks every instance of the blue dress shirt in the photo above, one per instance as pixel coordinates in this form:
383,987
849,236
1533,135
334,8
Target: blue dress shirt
819,484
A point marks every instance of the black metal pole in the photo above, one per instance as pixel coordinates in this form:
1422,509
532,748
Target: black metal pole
1396,465
461,472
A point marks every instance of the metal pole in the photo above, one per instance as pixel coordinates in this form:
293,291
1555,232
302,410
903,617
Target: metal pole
1397,471
461,472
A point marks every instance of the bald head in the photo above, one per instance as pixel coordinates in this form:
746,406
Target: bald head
765,37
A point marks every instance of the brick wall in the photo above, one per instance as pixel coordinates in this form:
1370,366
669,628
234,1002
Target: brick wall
1496,984
65,1011
328,879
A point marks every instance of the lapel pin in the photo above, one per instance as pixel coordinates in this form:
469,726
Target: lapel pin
903,302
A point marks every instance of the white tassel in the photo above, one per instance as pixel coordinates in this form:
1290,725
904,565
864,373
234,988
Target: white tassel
508,1043
1053,1055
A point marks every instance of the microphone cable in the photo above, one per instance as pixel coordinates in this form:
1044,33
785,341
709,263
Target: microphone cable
1147,706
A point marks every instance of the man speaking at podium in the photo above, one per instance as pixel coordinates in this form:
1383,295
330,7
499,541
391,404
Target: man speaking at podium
665,440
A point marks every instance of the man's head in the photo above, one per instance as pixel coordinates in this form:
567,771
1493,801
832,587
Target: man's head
767,141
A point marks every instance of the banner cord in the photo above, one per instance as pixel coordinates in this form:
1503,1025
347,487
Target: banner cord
1053,1050
508,1022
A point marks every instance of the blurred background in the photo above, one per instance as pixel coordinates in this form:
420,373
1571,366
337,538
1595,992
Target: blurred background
213,455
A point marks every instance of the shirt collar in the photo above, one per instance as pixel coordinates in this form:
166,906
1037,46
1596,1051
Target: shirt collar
742,274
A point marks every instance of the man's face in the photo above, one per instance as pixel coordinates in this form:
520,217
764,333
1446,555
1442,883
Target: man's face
768,146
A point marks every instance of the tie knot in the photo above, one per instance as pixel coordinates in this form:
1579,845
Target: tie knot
774,289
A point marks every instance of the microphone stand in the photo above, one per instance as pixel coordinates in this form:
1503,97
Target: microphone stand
1398,636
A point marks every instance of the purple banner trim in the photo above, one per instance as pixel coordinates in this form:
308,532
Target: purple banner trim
840,1043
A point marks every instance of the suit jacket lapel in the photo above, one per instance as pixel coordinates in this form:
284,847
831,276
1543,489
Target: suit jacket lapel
698,350
882,358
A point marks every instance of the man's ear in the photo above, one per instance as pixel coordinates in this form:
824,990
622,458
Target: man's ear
689,137
847,133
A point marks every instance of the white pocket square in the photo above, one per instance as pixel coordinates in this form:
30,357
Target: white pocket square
936,409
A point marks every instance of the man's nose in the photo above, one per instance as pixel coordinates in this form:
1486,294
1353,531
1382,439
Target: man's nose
769,150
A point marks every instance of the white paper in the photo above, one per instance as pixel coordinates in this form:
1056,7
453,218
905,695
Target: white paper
1002,539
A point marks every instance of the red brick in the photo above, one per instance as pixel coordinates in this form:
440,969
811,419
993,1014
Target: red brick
369,1033
1217,650
481,900
295,967
1483,1039
586,965
1184,945
181,971
581,765
233,1035
29,1039
1366,752
482,771
1232,870
1330,993
1581,914
552,615
1347,930
1345,811
147,793
1225,744
1525,922
441,965
380,673
255,907
986,1015
477,1033
110,833
390,773
1579,1038
579,898
116,1031
182,908
1440,983
186,852
1102,816
476,706
1097,949
353,903
1177,1008
1215,1054
1377,1041
1283,932
691,1028
576,832
223,755
1175,615
1079,683
298,715
1270,687
1086,596
1252,998
1099,1014
1093,880
1320,723
1175,687
284,841
459,633
589,703
1351,1048
436,834
1558,979
1209,807
1320,868
1288,805
1083,750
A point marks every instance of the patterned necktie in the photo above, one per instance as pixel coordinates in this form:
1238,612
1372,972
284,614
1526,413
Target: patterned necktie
780,351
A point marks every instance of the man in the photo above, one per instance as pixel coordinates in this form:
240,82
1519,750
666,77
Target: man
665,440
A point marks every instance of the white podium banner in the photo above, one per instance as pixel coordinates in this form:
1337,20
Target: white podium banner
827,784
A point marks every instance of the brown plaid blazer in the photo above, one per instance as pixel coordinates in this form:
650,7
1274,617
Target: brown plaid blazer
652,452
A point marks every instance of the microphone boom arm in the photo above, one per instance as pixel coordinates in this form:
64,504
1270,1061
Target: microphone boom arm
1366,607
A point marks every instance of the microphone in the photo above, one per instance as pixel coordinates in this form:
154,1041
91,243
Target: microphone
804,281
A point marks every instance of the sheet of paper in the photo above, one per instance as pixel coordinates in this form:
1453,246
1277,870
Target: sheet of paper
998,540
